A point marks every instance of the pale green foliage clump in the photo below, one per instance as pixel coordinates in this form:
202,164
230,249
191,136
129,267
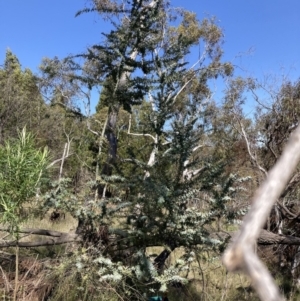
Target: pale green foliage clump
21,169
118,275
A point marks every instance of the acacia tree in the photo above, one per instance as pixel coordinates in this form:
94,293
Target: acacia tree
22,167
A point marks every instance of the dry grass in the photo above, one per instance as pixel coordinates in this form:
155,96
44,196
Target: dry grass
208,279
34,264
32,275
64,224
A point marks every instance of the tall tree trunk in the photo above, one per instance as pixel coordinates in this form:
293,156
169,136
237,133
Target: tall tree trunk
111,136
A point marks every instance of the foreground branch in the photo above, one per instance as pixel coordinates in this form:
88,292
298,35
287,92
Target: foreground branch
240,255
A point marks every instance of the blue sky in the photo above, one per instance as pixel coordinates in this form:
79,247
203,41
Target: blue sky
34,29
269,28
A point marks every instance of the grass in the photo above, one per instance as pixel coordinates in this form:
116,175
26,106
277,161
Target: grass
35,263
66,224
208,279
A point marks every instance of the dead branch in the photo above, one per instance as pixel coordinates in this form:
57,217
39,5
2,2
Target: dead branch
270,238
252,156
37,231
240,256
58,160
138,134
65,154
63,239
56,237
265,238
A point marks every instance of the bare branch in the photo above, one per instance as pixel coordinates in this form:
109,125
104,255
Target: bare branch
65,153
252,156
56,238
36,231
265,238
270,238
88,124
48,242
138,134
182,88
58,160
188,174
282,206
256,98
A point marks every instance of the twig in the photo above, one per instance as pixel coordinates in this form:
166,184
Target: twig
253,158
